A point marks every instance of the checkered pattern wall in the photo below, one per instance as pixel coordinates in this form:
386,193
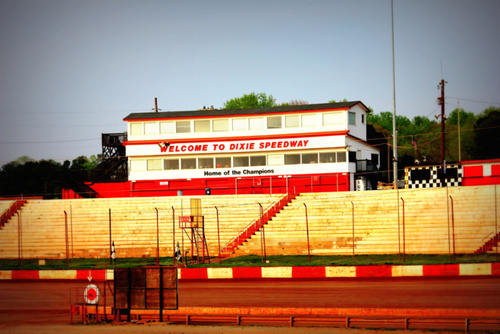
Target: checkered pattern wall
431,176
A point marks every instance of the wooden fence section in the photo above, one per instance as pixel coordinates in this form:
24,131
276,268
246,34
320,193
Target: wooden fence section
425,221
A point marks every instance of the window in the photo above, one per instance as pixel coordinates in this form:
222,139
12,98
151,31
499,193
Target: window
137,165
352,156
169,164
223,162
183,126
256,123
167,127
154,164
292,159
205,163
275,159
310,158
135,129
352,118
362,119
332,119
292,121
309,120
202,126
341,157
240,161
220,125
188,163
327,157
259,160
151,128
239,124
274,122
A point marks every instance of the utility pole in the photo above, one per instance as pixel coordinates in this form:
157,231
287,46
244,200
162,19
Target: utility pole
459,142
394,130
443,118
156,104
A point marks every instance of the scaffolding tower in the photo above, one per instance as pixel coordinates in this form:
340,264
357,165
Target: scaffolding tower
193,226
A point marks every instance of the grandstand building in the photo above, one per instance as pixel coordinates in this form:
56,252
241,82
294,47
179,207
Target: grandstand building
301,148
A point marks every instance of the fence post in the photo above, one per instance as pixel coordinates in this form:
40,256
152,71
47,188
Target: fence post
263,234
404,238
173,234
218,231
352,231
66,236
110,247
453,227
496,224
157,240
307,229
19,239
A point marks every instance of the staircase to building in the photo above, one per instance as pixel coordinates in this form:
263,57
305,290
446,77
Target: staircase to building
254,226
489,245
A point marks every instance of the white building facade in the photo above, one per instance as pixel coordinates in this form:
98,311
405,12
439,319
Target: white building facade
305,148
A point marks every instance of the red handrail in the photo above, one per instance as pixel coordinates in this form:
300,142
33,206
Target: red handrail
257,223
16,205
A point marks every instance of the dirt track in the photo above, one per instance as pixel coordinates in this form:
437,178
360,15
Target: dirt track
43,306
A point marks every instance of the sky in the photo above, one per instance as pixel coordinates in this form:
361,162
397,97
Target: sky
71,70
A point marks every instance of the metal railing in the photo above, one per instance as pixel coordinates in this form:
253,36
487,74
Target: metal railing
257,223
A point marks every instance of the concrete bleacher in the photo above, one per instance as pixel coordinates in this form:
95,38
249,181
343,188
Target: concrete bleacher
5,205
378,229
133,225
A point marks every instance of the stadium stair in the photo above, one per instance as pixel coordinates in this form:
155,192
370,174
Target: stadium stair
11,211
488,245
257,224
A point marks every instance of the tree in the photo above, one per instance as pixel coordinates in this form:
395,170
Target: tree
249,101
334,101
416,138
486,134
30,178
295,103
467,145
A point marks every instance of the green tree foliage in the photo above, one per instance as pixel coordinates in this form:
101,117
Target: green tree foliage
486,136
420,138
249,101
334,101
295,103
467,134
29,177
415,137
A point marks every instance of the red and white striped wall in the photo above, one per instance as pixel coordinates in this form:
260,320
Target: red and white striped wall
466,269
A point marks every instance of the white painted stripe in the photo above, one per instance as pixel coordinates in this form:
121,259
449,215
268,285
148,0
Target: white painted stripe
110,274
220,273
340,271
474,269
5,274
276,272
403,271
57,274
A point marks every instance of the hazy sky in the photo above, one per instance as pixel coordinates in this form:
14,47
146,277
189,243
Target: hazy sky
71,70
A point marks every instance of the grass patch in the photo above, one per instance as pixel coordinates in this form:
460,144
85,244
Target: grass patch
256,261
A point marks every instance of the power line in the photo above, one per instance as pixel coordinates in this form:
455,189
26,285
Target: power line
77,112
470,100
49,142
